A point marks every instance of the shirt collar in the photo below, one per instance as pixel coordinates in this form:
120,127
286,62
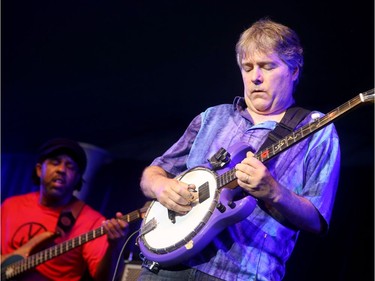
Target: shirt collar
239,104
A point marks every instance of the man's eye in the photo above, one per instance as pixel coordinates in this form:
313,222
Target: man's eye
268,67
71,166
247,68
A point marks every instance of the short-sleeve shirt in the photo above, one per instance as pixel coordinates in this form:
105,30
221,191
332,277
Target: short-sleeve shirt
258,246
22,218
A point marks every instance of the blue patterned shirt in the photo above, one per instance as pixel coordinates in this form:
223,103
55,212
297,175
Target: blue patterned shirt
258,246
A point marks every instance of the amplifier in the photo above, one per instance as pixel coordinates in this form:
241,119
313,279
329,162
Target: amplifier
131,271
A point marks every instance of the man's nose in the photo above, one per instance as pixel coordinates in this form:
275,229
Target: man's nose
256,76
62,167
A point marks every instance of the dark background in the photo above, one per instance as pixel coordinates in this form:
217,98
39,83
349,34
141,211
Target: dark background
125,78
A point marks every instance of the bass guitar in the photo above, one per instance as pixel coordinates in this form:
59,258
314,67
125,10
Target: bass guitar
167,238
15,264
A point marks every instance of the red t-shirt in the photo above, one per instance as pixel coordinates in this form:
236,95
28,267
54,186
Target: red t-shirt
22,218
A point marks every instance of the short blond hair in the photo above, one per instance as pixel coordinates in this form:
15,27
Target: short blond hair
267,36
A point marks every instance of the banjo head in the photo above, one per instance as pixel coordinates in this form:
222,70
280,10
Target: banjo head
167,235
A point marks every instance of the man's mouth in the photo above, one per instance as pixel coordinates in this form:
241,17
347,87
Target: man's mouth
59,180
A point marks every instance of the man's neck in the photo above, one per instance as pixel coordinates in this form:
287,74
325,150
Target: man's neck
54,202
259,118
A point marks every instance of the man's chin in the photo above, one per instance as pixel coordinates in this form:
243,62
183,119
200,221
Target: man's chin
55,191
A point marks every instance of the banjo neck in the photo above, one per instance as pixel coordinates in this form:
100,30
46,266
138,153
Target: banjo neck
228,179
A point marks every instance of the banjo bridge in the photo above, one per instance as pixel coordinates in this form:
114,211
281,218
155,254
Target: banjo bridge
204,192
202,195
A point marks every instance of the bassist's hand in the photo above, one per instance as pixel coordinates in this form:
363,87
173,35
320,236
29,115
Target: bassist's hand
116,228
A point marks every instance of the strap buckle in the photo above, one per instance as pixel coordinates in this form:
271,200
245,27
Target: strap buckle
152,266
219,159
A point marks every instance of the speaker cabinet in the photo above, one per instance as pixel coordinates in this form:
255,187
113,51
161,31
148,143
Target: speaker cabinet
131,271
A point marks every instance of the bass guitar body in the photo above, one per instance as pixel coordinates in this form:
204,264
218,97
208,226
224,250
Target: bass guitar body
20,255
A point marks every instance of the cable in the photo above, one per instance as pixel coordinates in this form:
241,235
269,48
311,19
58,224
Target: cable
119,257
260,254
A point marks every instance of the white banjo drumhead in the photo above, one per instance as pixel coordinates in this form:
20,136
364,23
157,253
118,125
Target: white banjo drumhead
167,234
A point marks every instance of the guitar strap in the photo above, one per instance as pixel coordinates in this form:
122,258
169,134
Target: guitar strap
68,217
293,116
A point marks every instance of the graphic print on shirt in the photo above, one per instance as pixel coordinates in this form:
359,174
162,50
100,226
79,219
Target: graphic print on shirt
25,233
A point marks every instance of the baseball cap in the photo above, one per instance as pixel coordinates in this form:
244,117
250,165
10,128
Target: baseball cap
57,146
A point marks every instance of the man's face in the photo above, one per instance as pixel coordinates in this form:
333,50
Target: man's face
268,83
59,176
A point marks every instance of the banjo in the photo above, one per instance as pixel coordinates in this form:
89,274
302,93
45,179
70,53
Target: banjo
167,238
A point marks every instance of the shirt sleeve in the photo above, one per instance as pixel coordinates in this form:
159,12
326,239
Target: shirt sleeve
174,159
322,171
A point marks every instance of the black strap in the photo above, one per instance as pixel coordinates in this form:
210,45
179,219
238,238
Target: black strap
293,116
68,217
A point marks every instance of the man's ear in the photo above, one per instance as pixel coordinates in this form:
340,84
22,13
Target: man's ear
38,169
295,73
